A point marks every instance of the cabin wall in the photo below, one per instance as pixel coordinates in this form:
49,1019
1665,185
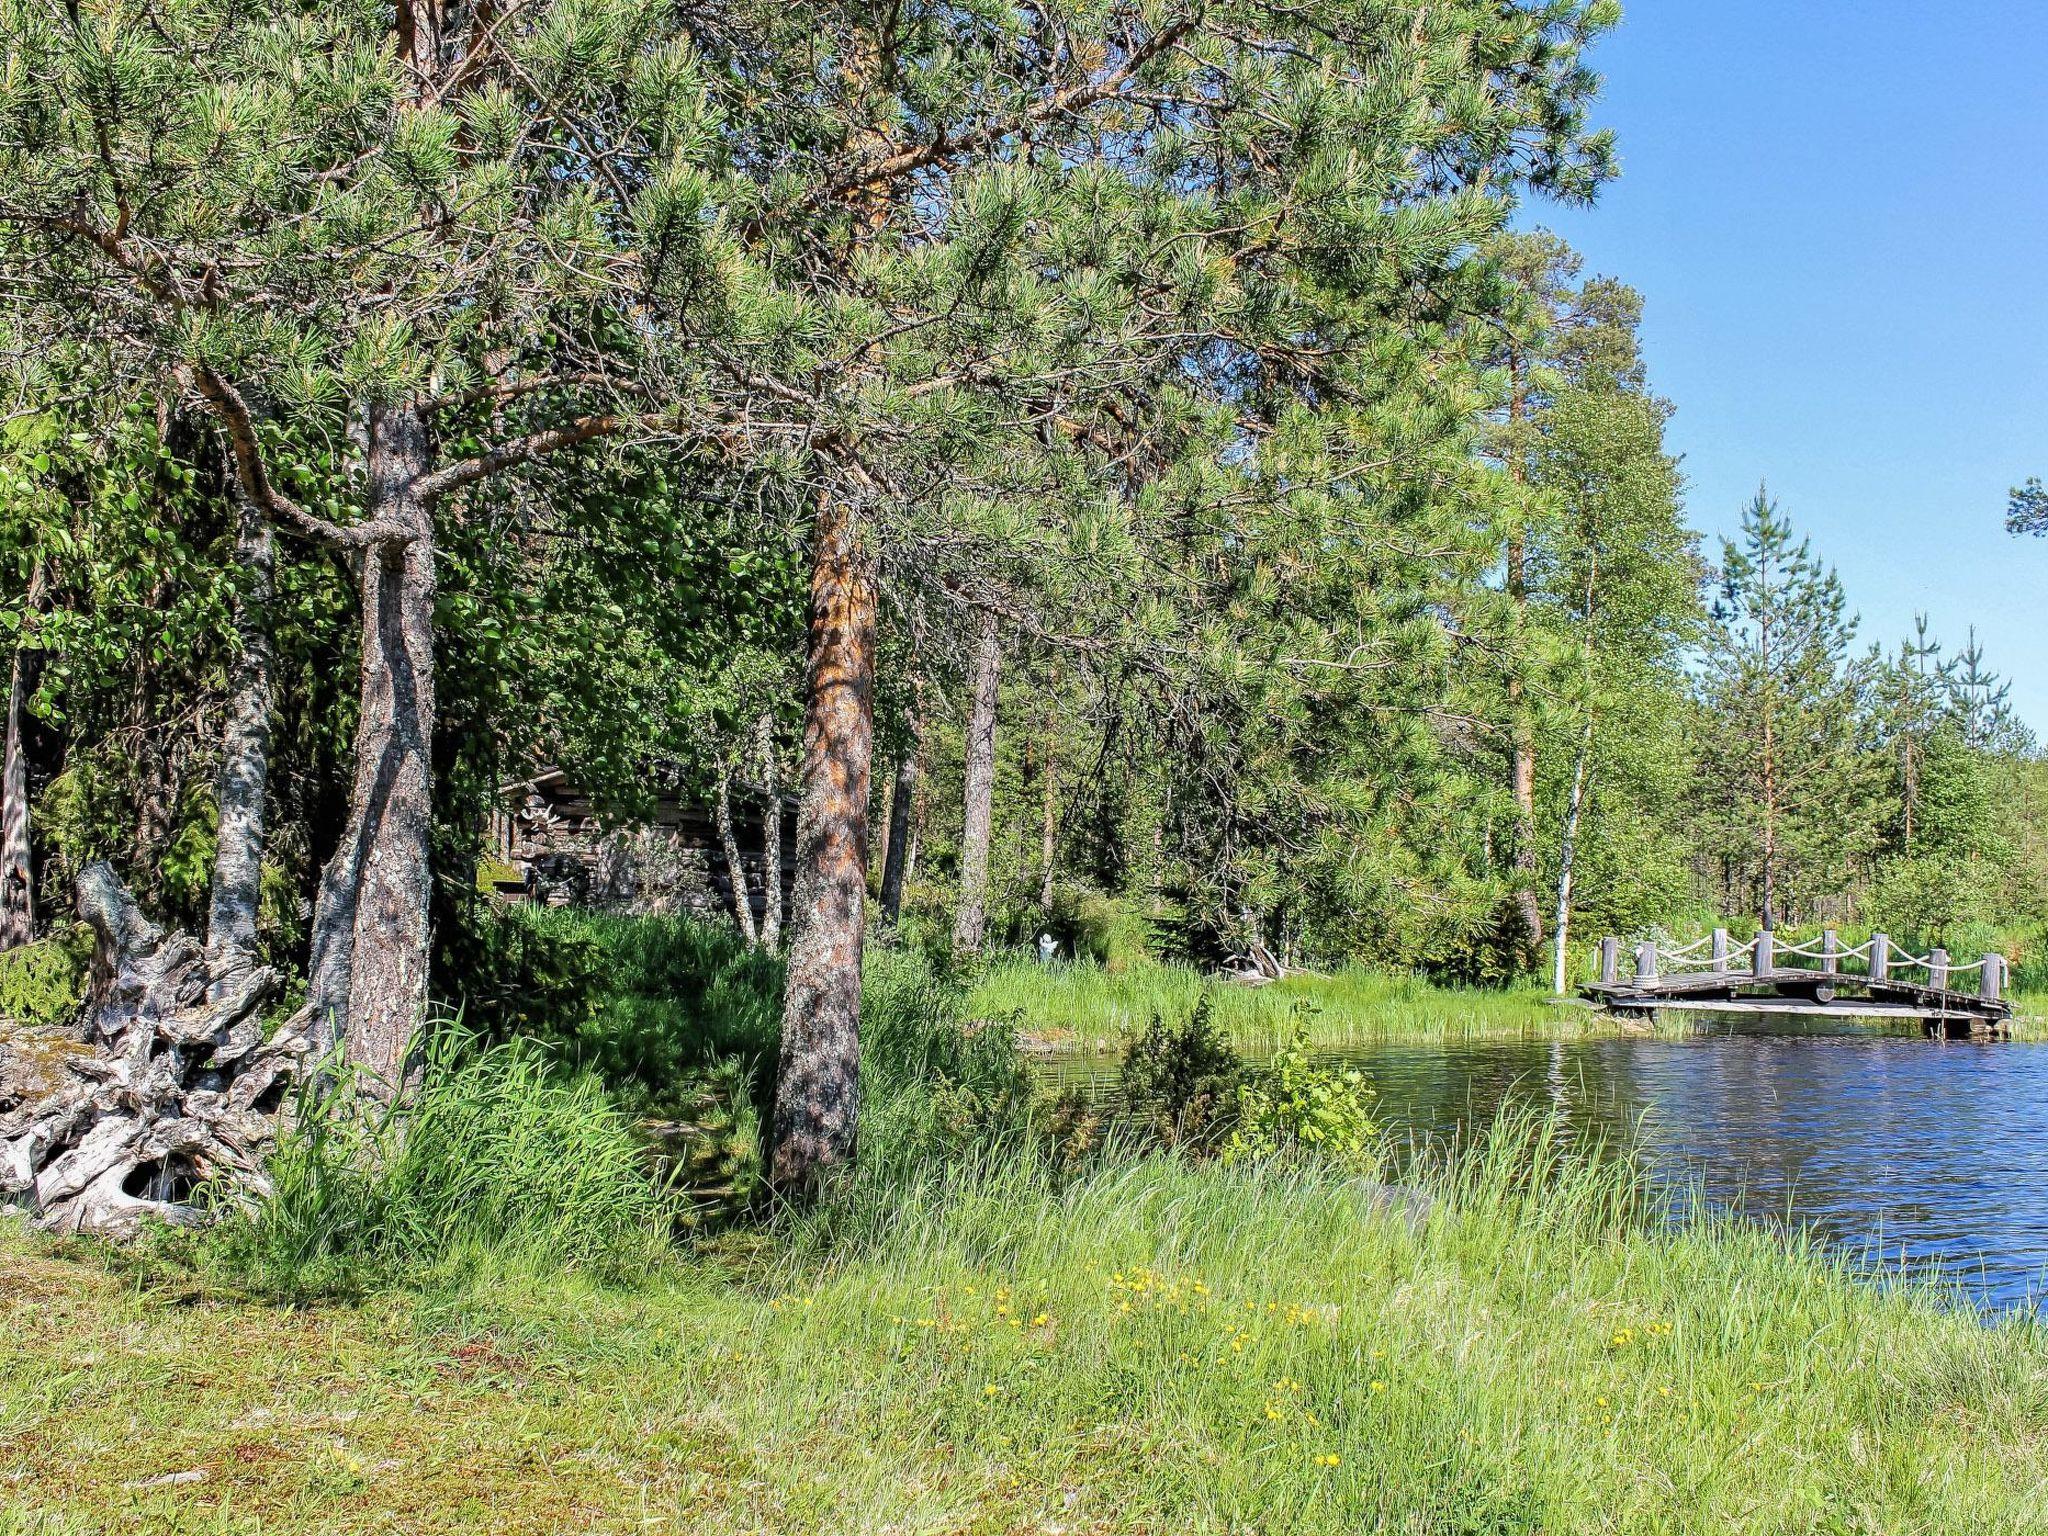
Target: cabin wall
567,855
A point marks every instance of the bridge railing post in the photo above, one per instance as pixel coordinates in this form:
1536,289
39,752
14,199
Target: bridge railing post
1646,962
1766,951
1720,949
1880,957
1989,984
1610,961
1937,970
1830,951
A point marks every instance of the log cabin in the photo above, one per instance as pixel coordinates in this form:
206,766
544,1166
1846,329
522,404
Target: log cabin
552,845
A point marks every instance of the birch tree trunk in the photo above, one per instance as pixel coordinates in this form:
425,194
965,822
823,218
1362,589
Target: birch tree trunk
817,1093
1567,852
1049,826
369,958
17,878
771,833
742,903
243,785
970,922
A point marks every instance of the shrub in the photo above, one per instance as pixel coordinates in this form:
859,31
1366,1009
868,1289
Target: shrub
1179,1081
1297,1104
1088,925
648,1004
518,970
43,983
494,872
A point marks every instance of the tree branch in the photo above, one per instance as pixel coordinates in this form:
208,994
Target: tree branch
945,145
227,405
520,449
515,388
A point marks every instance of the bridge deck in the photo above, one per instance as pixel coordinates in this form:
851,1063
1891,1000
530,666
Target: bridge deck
1812,990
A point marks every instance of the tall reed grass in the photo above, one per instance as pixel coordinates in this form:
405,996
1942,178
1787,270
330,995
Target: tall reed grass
497,1154
1087,1007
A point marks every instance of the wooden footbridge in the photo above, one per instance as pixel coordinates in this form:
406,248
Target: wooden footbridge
1870,980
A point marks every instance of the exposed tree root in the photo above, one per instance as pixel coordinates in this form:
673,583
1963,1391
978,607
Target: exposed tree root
179,1092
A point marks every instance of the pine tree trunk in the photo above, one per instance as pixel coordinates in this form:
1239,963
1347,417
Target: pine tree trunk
245,759
1567,853
771,833
736,874
1528,913
817,1106
903,799
970,922
17,878
369,961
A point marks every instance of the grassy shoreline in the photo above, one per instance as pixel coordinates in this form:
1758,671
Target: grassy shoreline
1084,1008
1088,1008
1155,1347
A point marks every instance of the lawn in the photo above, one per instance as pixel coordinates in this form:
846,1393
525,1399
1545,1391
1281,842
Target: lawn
1156,1347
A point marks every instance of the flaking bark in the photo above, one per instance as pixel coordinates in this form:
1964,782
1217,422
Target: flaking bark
369,961
818,1085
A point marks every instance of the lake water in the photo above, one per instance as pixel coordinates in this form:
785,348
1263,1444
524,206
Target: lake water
1888,1144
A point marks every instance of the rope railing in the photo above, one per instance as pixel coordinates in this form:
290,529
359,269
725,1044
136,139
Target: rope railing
1814,951
1876,959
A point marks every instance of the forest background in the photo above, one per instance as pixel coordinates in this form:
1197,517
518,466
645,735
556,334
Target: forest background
1234,549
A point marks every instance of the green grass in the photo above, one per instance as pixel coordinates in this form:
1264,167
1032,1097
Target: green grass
1158,1347
498,1153
494,1329
1087,1007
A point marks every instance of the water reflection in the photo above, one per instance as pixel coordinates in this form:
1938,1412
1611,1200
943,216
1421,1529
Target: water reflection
1882,1141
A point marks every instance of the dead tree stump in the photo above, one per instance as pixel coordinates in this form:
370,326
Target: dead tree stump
177,1094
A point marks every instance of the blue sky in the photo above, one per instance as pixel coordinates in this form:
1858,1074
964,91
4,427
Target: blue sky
1837,214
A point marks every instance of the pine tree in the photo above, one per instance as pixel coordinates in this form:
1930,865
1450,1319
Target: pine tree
434,235
1982,701
1005,271
1781,720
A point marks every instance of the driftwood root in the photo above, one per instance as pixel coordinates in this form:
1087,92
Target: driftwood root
174,1107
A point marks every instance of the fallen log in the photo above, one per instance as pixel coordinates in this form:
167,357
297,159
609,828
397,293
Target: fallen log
178,1094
